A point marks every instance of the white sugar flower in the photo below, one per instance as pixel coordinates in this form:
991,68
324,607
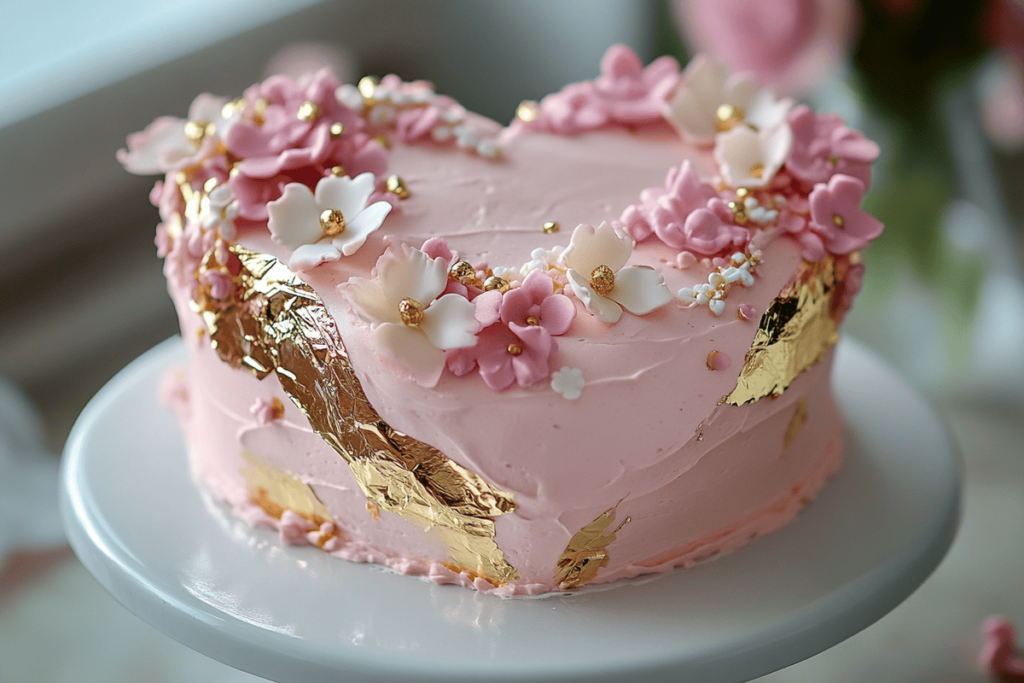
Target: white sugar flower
708,101
758,213
595,260
413,325
219,210
322,227
568,382
751,159
170,142
705,295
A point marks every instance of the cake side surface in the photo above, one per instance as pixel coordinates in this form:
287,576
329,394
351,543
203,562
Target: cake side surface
467,386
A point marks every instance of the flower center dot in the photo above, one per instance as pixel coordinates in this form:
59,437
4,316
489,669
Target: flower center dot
602,280
333,222
515,350
838,221
308,111
337,130
757,171
532,320
411,312
727,116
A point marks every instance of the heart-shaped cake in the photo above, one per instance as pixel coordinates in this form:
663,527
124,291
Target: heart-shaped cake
588,346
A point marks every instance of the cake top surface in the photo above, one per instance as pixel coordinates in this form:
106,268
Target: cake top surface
638,224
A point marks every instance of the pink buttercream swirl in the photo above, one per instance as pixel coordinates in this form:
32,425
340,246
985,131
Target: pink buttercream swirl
517,342
823,147
999,657
687,214
625,94
282,144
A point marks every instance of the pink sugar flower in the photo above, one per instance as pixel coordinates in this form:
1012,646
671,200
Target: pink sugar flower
836,215
535,303
686,214
625,93
823,147
506,355
797,227
999,656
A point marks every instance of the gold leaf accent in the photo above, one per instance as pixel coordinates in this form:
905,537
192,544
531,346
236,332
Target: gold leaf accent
795,332
587,551
276,491
275,322
796,422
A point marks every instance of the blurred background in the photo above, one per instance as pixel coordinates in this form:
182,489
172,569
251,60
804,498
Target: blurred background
939,84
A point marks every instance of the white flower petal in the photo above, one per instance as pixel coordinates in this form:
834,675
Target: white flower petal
312,255
606,310
345,194
405,272
368,300
716,306
358,229
640,290
350,96
295,217
450,322
750,159
590,248
765,112
206,107
741,90
157,147
412,350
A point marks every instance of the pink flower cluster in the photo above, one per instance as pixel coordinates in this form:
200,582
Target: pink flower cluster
625,94
823,147
278,144
687,214
836,222
516,340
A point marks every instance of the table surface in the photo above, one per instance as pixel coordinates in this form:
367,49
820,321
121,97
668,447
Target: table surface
294,614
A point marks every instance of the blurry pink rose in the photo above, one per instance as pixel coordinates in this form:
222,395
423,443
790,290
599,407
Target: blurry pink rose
791,45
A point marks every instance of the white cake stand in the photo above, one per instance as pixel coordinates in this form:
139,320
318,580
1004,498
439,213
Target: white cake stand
297,615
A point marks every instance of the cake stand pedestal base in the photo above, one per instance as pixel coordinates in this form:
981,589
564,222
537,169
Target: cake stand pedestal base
296,615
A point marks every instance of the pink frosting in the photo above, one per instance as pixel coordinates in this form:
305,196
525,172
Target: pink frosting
625,94
999,657
687,214
823,147
836,215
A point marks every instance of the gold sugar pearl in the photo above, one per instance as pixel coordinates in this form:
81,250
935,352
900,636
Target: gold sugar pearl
495,282
396,186
742,192
739,212
367,86
532,320
463,272
196,132
527,111
232,108
411,312
332,221
833,159
383,141
602,280
338,171
337,130
515,349
757,171
838,221
727,116
550,227
308,111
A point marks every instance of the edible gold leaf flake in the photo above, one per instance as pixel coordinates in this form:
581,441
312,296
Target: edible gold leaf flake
796,422
587,552
795,332
276,491
274,322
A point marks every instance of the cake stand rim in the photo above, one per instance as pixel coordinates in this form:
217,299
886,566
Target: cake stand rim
256,650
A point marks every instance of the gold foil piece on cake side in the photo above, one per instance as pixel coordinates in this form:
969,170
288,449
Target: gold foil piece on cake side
796,423
276,491
795,332
587,552
274,322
